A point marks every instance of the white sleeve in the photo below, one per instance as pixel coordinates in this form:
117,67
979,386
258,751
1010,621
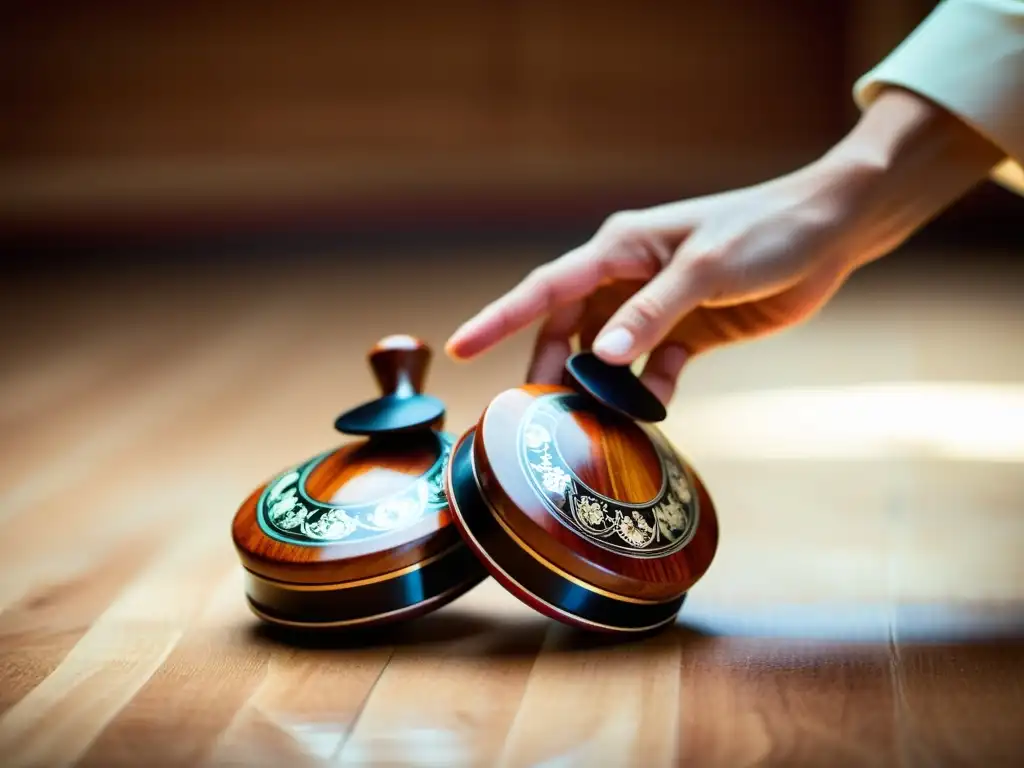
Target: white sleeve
968,57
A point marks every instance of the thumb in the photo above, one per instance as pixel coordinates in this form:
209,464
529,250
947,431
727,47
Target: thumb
644,320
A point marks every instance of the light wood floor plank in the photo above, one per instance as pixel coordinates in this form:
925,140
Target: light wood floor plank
866,606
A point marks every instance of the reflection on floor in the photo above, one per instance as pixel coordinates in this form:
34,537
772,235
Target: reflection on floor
866,606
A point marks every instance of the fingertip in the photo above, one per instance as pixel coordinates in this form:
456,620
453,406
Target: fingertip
616,346
641,324
468,341
455,346
466,351
451,349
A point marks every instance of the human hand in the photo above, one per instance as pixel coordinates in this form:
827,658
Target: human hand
677,280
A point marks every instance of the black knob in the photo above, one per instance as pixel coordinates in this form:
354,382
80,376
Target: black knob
614,386
400,365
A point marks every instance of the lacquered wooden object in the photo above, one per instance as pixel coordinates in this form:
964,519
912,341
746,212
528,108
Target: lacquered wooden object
579,506
361,534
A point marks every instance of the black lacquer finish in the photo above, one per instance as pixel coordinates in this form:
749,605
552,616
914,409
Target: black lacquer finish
385,600
614,386
398,412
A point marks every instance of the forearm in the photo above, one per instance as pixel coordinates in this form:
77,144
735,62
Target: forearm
904,162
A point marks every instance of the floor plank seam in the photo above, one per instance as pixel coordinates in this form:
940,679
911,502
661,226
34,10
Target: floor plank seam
900,703
504,755
339,752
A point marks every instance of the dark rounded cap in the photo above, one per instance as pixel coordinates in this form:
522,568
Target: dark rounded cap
614,386
389,414
400,365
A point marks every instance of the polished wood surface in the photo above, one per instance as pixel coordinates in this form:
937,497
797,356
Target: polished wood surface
554,592
865,608
357,472
381,548
599,447
610,454
361,472
368,470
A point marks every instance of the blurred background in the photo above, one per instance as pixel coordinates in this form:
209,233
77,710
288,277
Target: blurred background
209,212
179,122
199,198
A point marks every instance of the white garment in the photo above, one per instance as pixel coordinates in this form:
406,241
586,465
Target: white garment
968,57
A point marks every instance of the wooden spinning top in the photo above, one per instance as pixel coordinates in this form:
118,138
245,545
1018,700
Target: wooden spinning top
361,534
580,507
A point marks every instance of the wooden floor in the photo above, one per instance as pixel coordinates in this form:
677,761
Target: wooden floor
866,607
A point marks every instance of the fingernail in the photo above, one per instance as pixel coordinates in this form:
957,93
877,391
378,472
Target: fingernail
616,343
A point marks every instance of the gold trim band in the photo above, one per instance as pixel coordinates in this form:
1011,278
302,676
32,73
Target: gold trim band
295,587
454,506
448,593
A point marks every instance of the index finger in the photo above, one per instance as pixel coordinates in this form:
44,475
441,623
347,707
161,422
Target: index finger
542,292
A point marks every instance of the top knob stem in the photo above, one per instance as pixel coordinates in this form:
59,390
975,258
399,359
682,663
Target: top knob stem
400,364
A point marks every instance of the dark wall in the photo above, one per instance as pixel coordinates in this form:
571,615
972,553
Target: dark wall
172,117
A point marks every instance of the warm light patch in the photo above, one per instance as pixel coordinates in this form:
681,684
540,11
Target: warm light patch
950,421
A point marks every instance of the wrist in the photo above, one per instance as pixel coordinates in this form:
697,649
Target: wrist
905,161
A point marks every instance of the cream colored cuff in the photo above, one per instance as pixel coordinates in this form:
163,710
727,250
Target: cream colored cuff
968,57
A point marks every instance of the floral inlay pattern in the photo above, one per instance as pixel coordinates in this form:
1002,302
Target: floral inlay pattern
635,529
591,512
658,528
286,512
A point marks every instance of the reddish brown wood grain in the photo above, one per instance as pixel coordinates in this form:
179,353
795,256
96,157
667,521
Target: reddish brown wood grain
615,451
355,471
400,359
368,469
610,454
